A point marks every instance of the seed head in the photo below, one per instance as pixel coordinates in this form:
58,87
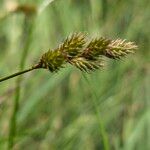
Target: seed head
86,56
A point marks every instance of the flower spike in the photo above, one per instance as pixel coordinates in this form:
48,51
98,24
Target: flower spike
84,55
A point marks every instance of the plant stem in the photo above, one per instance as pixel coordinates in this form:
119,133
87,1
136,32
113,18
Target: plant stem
17,74
103,133
104,10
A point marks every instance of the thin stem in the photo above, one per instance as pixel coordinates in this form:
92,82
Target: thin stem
18,73
103,133
104,10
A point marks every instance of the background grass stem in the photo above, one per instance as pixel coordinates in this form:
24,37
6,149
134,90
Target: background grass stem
25,43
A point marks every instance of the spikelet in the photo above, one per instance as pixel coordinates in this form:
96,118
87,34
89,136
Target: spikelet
86,65
52,60
119,48
95,48
73,45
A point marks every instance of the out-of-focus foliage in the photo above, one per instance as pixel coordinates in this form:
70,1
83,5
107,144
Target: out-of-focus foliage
69,109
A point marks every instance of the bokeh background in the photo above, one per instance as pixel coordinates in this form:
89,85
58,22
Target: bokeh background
106,110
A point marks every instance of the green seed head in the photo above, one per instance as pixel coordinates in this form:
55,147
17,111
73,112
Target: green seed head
87,56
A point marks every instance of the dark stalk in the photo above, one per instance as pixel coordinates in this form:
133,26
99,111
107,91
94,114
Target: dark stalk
18,73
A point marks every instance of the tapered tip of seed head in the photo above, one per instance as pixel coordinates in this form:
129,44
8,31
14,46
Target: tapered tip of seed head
124,44
120,48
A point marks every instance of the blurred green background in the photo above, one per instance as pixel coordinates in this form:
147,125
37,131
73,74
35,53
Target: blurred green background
70,110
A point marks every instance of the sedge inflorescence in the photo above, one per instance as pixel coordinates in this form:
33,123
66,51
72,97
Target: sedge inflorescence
86,55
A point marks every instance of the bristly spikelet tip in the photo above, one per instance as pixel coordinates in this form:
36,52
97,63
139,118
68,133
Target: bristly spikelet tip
73,44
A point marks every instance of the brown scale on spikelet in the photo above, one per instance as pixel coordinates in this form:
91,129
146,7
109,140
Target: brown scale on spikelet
86,56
